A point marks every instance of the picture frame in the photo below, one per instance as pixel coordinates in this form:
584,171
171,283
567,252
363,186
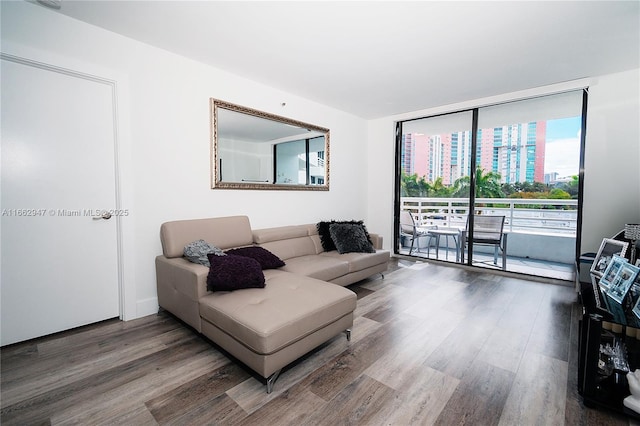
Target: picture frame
635,287
607,249
623,280
616,310
634,292
636,309
596,291
609,275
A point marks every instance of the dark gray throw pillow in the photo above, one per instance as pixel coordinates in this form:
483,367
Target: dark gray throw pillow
350,238
325,236
229,273
265,258
197,252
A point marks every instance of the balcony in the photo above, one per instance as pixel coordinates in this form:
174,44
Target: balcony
541,232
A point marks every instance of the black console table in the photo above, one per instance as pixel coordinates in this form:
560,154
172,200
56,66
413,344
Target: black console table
602,380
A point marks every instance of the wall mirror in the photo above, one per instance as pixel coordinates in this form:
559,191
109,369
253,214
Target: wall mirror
251,149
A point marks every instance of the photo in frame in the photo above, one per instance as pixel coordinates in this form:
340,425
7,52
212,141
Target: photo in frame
613,267
607,249
624,278
634,293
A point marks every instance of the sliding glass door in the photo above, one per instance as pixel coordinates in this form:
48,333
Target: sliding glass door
495,186
435,153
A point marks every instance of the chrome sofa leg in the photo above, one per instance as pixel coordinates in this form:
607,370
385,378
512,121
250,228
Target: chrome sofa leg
348,333
271,380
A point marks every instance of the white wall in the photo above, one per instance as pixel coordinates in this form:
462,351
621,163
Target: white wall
167,132
612,155
612,158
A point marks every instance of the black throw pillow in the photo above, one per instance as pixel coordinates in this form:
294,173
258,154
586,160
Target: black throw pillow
265,258
228,273
350,238
325,235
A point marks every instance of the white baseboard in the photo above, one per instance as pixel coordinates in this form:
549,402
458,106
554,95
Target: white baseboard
146,307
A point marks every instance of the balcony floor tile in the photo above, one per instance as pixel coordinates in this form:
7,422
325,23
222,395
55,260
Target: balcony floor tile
540,268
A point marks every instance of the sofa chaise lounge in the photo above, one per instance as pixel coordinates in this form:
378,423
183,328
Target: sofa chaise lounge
303,304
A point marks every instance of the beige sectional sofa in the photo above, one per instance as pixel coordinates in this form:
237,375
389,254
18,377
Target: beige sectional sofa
303,304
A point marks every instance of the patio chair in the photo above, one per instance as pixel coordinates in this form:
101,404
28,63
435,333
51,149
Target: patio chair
488,230
410,230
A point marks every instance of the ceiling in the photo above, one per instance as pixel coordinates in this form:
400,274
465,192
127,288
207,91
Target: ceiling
380,58
241,126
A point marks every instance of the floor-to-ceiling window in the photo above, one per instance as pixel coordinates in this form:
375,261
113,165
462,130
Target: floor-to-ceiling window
300,161
494,186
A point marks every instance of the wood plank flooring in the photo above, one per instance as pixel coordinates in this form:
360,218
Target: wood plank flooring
431,344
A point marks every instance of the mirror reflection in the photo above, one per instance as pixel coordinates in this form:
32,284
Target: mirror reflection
256,150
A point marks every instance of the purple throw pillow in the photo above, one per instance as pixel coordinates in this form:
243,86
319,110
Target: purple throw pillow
228,273
265,258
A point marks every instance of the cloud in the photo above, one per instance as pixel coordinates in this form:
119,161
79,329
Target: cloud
562,156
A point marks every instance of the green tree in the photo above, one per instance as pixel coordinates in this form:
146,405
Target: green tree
571,187
487,185
539,187
559,194
438,189
508,189
414,186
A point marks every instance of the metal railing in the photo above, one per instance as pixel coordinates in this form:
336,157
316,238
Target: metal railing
535,216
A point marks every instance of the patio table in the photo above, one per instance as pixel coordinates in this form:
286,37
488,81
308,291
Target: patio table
447,232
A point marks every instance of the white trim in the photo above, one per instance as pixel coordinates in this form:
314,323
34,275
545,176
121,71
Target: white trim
147,307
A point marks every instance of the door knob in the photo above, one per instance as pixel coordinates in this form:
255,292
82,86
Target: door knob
105,215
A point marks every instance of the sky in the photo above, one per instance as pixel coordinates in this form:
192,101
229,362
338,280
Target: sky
562,151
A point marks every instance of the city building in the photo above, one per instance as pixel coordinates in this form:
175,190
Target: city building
516,152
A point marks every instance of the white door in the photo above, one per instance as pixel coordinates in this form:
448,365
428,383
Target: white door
59,264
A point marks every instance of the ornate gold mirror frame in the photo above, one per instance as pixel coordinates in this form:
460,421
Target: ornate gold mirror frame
251,149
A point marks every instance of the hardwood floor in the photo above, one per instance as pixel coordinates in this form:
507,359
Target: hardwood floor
431,344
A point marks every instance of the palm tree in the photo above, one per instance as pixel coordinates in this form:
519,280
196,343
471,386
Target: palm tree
487,185
438,189
414,186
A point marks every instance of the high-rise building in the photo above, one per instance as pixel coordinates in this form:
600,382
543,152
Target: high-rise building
416,156
550,178
514,151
